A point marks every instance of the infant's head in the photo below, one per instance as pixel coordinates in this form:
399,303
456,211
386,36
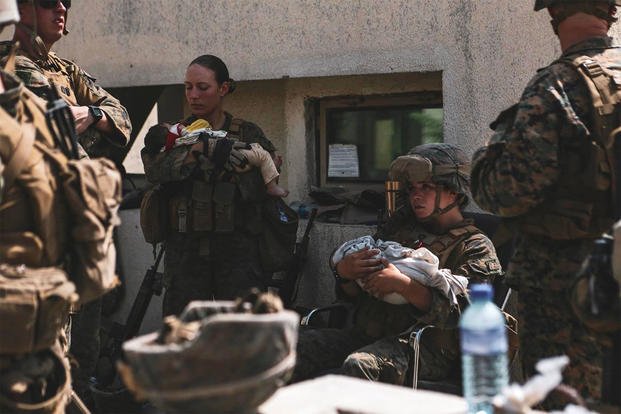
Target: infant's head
155,139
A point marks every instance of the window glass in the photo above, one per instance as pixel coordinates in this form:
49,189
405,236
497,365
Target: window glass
375,135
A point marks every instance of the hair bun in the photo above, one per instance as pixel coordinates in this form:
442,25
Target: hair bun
232,85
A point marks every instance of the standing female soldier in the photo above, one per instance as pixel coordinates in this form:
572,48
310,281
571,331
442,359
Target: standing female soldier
212,248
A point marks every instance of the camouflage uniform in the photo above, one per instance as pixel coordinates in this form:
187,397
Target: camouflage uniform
376,347
208,264
33,216
76,87
539,151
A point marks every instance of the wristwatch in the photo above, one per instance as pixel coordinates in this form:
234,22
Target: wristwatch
338,278
96,113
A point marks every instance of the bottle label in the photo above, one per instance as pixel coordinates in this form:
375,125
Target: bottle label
484,341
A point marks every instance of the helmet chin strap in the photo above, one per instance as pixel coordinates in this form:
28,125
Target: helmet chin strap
437,211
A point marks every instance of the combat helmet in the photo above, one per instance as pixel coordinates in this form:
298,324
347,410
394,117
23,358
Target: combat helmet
571,7
542,4
443,164
8,13
233,363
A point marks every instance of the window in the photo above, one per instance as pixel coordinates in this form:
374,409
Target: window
361,135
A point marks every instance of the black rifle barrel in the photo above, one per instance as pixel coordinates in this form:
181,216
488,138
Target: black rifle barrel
142,300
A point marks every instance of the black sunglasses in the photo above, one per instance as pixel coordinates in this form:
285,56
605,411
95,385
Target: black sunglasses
52,4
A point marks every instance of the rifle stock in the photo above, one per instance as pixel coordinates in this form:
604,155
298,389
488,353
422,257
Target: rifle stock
287,292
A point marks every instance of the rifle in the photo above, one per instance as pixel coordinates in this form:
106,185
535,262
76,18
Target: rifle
61,124
287,292
151,285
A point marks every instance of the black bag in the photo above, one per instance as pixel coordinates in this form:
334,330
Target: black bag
278,236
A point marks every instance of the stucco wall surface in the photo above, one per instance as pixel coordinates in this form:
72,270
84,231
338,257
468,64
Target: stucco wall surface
142,42
486,50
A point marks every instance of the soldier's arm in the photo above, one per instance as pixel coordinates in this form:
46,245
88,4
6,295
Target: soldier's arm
519,165
478,262
252,133
115,123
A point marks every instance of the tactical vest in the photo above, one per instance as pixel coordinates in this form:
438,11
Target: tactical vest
218,204
581,205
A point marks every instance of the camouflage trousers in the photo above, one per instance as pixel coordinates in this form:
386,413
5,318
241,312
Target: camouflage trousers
349,352
548,327
206,267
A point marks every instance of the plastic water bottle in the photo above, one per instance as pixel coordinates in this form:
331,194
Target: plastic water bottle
484,350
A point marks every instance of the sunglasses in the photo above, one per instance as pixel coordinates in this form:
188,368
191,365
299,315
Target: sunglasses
52,4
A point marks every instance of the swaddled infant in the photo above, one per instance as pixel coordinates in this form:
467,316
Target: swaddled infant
419,264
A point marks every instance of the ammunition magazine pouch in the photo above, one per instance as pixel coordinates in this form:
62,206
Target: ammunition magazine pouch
201,207
277,240
34,307
223,200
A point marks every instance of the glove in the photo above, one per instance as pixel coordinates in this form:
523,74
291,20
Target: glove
237,159
155,139
225,153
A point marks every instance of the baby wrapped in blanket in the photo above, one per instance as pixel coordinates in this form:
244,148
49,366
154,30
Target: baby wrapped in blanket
418,264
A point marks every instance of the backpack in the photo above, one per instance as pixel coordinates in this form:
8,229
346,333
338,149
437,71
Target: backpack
92,188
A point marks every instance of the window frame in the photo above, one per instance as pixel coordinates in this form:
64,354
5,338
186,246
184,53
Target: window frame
422,100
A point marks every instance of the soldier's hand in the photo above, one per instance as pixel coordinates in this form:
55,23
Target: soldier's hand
387,280
359,264
83,118
237,159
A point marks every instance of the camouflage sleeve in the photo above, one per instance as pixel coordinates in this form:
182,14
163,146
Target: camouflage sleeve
476,259
163,167
88,92
252,133
519,165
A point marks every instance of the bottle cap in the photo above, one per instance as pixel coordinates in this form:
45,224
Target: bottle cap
481,291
